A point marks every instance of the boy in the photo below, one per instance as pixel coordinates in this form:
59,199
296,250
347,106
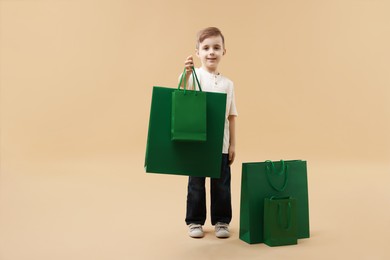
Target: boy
210,48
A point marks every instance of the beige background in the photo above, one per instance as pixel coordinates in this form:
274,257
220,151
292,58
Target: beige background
312,82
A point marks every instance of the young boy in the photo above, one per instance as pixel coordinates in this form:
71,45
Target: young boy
210,48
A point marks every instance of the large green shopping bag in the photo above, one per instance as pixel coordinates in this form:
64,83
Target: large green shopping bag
199,159
280,221
189,112
262,180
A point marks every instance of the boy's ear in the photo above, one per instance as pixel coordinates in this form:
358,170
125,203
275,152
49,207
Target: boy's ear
197,52
224,51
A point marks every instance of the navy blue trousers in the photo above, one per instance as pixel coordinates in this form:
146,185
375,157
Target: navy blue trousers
221,205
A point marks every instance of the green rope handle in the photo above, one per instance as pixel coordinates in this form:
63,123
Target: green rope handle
282,171
288,226
194,77
181,80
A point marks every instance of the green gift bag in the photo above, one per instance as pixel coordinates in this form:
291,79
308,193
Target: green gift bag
198,159
189,112
280,221
260,180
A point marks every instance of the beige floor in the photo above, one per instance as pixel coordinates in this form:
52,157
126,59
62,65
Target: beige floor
109,208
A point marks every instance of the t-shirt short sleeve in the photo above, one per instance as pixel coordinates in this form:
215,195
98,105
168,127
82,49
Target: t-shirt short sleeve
233,108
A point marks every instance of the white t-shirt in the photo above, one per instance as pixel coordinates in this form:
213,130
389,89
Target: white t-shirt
220,84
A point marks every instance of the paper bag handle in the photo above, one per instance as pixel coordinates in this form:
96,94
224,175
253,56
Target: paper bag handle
282,171
288,216
194,77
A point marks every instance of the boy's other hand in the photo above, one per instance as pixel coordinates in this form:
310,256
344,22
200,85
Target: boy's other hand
232,154
189,63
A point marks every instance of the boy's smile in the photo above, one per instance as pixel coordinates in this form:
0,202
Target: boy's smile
210,52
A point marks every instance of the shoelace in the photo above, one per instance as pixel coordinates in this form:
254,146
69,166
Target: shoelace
195,226
222,226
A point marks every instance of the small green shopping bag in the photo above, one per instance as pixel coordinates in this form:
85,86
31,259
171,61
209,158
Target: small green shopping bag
189,113
280,221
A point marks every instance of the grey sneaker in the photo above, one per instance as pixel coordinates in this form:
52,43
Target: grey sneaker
195,231
222,230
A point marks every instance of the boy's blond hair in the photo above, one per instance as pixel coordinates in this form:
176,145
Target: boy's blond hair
209,32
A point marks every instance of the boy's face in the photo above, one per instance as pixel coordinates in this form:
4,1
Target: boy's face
210,52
